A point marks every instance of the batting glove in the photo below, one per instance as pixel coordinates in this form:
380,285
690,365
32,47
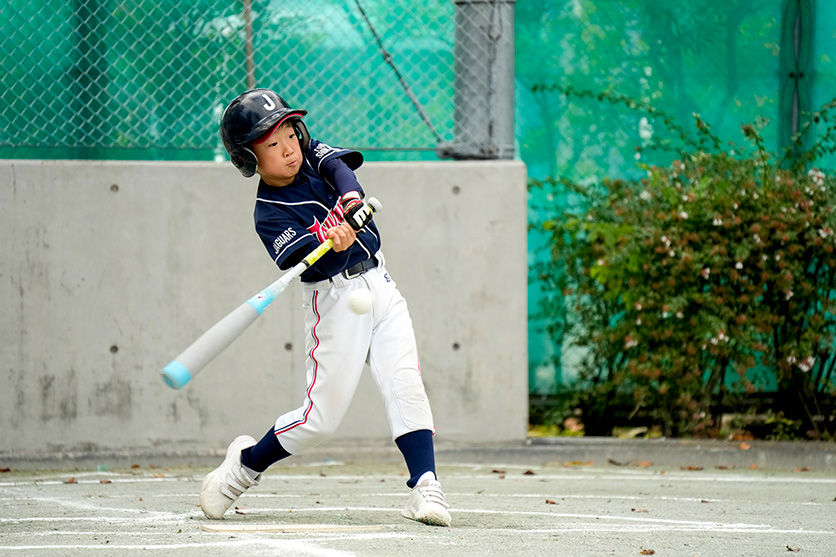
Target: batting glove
355,210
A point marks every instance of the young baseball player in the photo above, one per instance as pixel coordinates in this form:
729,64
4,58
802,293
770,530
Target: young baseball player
307,193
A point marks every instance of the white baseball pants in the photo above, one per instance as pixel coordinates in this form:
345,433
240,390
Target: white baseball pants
339,343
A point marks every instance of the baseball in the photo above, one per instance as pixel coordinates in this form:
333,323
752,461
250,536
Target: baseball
360,301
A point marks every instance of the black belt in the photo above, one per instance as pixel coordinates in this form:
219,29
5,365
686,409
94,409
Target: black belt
359,268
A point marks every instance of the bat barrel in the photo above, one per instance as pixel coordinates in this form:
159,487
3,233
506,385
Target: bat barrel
176,375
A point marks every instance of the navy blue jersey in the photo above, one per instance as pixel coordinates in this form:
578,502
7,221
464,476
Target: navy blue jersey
292,220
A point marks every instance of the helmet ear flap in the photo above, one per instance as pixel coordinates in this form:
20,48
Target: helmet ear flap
245,161
302,132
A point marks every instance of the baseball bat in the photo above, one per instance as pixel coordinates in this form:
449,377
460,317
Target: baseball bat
184,367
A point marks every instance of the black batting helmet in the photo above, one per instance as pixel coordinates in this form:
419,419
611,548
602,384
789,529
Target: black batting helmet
250,116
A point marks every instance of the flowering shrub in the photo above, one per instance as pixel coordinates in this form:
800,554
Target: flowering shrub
683,284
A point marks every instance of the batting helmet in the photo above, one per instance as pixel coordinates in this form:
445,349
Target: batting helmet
252,115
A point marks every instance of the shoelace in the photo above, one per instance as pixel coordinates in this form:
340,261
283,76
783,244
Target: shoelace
431,492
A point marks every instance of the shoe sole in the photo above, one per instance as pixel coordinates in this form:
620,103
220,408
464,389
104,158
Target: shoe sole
432,518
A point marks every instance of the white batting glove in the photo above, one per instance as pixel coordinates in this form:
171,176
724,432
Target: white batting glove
355,211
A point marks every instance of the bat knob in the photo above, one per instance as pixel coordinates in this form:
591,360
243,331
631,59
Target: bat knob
176,375
374,204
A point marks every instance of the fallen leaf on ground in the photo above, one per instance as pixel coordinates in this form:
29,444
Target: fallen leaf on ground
528,473
105,481
70,481
497,471
805,469
5,469
647,552
745,446
753,467
644,464
616,463
639,510
692,467
550,502
793,549
580,463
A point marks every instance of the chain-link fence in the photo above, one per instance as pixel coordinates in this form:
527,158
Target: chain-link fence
149,79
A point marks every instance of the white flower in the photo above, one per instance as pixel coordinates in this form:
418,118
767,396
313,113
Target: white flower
735,206
665,315
601,262
777,257
645,195
637,156
638,321
645,129
817,176
738,265
683,215
717,222
630,343
679,315
757,239
788,294
825,232
638,306
671,253
705,272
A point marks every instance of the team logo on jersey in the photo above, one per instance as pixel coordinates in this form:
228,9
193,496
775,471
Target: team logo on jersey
283,238
335,218
322,150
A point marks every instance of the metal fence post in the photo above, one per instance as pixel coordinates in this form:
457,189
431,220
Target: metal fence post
483,81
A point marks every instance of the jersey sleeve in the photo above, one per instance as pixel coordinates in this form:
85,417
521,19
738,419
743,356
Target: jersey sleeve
284,238
319,153
335,165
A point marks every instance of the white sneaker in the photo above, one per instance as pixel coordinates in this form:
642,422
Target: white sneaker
426,502
227,482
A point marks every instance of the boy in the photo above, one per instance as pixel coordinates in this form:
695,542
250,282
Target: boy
308,193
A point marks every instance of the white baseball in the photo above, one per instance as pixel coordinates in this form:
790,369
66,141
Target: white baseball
360,301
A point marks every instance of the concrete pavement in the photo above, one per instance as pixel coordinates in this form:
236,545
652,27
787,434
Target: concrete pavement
576,498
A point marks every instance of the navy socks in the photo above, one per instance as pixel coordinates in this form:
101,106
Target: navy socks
416,447
417,450
266,452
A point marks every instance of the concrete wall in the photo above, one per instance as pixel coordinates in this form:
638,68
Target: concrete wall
110,269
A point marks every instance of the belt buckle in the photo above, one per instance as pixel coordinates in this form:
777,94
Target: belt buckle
350,276
364,266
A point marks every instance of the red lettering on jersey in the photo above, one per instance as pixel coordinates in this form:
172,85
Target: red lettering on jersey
334,218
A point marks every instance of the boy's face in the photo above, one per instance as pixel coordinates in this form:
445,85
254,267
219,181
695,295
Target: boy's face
279,157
